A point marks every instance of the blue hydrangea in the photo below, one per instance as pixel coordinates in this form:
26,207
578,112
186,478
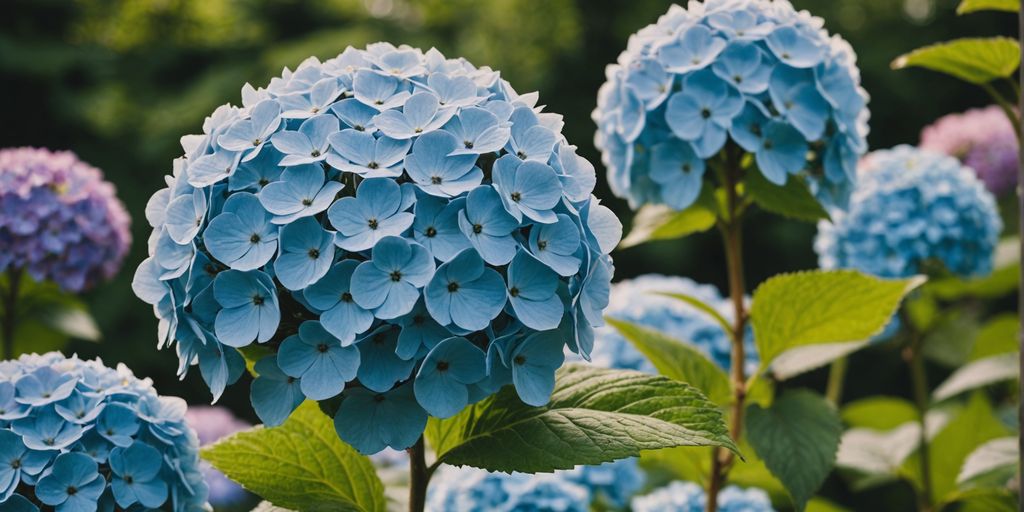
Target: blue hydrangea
638,301
211,424
77,436
468,489
689,497
381,221
913,211
725,76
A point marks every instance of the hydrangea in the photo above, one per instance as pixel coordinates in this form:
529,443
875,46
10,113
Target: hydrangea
913,211
468,489
404,232
638,300
79,436
983,139
689,497
211,424
59,220
727,75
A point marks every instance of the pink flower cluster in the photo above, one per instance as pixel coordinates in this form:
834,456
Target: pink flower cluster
983,139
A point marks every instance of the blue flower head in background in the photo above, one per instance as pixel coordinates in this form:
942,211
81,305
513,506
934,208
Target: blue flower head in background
689,497
639,301
913,211
212,423
468,489
379,221
77,436
728,75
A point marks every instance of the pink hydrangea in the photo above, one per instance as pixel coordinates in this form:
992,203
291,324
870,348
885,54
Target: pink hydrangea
983,139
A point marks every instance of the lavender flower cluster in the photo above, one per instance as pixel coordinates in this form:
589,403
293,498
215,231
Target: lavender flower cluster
983,139
211,424
59,220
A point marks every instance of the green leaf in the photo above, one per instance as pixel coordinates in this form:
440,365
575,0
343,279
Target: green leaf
595,415
969,6
793,200
878,453
660,222
252,354
445,434
704,308
803,359
694,465
301,465
815,307
979,373
822,505
974,60
266,506
678,360
995,461
1000,335
797,437
950,339
879,413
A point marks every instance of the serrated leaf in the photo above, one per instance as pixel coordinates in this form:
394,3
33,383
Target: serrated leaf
301,465
817,307
1000,335
595,415
879,412
994,461
797,437
793,200
803,359
974,60
660,222
969,6
979,373
677,360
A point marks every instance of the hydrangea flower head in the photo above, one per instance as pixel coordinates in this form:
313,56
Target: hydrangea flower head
212,423
983,139
726,75
59,220
379,221
79,436
912,209
475,490
640,301
681,496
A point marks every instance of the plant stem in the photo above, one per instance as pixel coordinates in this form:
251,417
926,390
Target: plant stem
1020,212
418,477
1006,106
732,233
919,385
10,303
836,378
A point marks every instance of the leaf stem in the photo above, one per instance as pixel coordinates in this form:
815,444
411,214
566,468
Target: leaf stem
919,384
419,476
732,234
1007,107
836,378
10,303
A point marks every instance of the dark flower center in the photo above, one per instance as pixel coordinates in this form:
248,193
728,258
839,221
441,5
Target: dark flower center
16,463
418,130
372,223
307,202
72,490
315,110
314,153
359,127
513,291
516,196
378,102
314,253
378,398
257,141
442,366
321,348
521,155
738,79
477,228
542,244
264,182
396,275
257,300
430,232
519,360
418,320
346,297
768,144
290,380
453,287
436,180
255,238
687,167
128,479
705,113
372,165
468,144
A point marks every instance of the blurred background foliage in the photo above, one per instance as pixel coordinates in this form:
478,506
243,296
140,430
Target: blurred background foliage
120,81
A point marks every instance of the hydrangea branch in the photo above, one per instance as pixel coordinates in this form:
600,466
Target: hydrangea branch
419,477
914,356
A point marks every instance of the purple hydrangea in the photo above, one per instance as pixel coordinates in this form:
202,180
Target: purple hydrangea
59,220
212,424
983,139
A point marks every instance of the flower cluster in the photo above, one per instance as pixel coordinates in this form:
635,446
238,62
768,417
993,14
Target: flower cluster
759,74
211,424
402,230
475,490
983,139
59,220
912,210
640,301
689,497
76,436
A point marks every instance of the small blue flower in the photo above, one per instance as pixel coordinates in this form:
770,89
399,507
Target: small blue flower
368,156
46,430
691,497
301,192
680,172
742,25
703,111
782,151
73,485
748,127
745,66
466,293
80,407
376,212
437,171
529,139
10,408
419,332
795,96
534,360
117,424
185,215
248,136
242,236
274,395
319,360
381,366
649,81
527,188
390,281
436,227
377,90
309,143
442,382
305,255
305,105
136,471
250,311
402,63
531,292
371,421
453,91
488,226
332,295
355,115
556,245
478,131
214,167
421,113
44,386
16,460
796,46
694,48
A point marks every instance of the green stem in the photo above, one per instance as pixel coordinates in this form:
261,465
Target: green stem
10,303
919,385
732,234
836,378
419,476
1007,107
